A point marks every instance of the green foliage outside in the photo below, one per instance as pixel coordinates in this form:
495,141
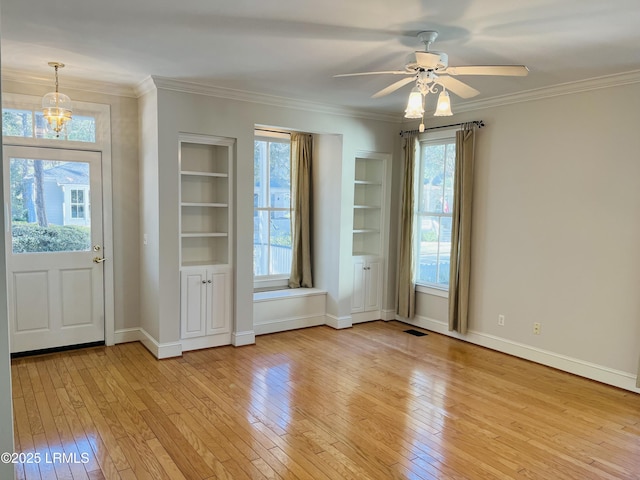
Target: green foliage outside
32,238
429,236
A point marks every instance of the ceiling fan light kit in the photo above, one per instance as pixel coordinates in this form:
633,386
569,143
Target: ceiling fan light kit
432,74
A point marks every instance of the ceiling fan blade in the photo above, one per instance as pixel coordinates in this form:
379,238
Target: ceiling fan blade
456,86
393,87
505,70
388,72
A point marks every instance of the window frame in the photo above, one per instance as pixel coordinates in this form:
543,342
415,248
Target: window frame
273,281
436,137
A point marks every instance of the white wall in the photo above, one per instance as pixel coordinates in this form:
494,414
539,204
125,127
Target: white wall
6,414
196,113
556,233
124,171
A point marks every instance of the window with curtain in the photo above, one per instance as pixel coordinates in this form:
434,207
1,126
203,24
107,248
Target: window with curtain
434,203
272,209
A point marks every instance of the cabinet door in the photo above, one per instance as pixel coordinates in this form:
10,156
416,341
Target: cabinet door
218,299
193,302
373,272
357,296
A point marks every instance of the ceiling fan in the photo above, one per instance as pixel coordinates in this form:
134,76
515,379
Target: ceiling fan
430,68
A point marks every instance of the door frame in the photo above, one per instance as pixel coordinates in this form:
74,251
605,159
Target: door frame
102,145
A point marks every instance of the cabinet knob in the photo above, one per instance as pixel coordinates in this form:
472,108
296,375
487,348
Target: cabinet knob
204,281
209,281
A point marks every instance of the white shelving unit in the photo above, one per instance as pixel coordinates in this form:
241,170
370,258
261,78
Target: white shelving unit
368,229
206,243
368,200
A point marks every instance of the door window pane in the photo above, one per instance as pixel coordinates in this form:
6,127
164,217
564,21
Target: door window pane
49,206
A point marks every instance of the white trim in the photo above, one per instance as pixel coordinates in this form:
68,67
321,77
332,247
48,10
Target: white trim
264,99
388,315
240,339
293,323
70,83
575,366
160,350
438,292
361,317
272,295
126,335
207,341
102,115
338,322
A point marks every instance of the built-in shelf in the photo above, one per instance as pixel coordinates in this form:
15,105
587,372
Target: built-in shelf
196,235
367,206
198,204
204,174
205,213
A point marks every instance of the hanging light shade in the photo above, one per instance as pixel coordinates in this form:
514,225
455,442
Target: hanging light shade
56,107
414,105
444,105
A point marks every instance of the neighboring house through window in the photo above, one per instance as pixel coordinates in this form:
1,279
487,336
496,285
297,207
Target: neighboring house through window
272,209
434,202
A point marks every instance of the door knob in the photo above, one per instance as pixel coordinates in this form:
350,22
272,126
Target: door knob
98,260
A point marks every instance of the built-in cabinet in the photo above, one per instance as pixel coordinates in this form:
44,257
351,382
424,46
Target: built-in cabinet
206,241
367,288
368,236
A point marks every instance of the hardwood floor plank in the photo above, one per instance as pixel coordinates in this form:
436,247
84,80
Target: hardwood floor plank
370,402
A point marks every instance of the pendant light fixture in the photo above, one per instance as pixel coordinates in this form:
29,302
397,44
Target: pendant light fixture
56,107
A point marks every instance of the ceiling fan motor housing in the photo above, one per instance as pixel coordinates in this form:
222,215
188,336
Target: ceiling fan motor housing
427,61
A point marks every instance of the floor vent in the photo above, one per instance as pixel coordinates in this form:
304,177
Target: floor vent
415,333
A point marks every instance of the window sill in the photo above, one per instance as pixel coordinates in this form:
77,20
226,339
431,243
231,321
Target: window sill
438,292
286,293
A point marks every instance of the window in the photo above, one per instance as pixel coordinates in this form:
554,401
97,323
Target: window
77,203
433,209
31,124
272,208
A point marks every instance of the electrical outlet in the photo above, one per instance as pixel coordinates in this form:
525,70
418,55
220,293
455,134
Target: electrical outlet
536,328
501,320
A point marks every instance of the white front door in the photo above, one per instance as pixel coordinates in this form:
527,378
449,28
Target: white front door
53,202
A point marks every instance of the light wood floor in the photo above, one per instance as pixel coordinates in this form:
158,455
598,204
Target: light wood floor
369,402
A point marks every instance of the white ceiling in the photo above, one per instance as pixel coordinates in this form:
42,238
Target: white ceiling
292,48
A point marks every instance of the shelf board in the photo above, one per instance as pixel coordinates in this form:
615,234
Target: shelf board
203,174
203,263
365,254
367,206
202,235
198,204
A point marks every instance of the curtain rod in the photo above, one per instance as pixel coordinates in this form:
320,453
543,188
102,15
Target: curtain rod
271,131
477,123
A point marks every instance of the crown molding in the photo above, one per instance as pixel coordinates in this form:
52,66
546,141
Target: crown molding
70,83
569,88
272,100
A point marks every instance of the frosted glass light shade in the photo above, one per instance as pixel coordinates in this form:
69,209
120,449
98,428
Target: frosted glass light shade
444,105
57,110
414,105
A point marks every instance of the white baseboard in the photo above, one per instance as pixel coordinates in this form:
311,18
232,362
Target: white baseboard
126,335
208,341
159,350
285,324
575,366
338,322
240,339
361,317
388,315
